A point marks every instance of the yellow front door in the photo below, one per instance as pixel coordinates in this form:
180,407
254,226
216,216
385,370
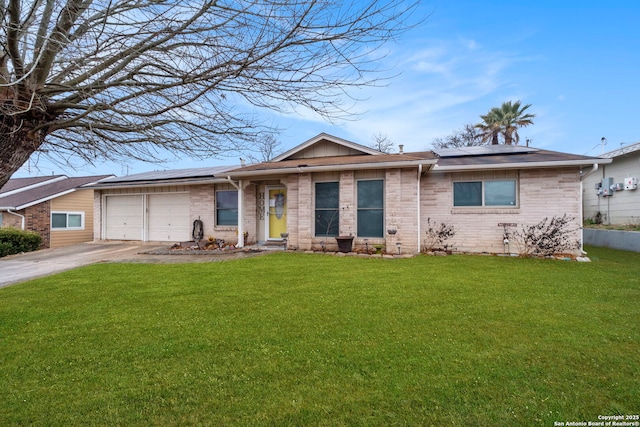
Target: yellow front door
277,212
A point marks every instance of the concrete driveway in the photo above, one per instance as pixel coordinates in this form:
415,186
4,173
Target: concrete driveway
22,267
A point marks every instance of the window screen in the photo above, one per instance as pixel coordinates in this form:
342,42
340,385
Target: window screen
327,209
227,208
485,193
371,208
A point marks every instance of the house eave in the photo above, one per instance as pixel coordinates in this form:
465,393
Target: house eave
320,137
531,165
146,184
329,168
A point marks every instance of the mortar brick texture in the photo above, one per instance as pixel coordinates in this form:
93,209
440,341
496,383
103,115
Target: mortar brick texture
542,193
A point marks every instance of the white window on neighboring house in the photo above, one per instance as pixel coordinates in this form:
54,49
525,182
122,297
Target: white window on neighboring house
494,193
67,220
0,219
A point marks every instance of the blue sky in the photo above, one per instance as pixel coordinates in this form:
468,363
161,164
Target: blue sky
576,62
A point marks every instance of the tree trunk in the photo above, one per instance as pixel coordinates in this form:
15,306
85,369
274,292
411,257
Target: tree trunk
18,141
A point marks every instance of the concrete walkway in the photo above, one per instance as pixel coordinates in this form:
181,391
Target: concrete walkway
27,266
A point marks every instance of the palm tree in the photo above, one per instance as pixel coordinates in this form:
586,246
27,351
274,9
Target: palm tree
491,126
505,120
514,117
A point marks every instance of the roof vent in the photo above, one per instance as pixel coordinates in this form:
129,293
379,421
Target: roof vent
401,149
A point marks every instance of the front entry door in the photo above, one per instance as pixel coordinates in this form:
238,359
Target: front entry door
277,213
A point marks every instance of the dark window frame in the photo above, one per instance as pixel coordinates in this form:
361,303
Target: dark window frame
367,213
327,212
226,210
486,198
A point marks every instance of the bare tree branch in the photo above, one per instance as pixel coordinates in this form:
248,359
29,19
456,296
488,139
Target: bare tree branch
131,79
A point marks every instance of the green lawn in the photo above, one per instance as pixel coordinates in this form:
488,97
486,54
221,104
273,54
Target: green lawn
297,339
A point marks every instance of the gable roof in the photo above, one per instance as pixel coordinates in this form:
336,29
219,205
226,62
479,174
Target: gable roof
326,153
21,196
336,163
347,147
16,185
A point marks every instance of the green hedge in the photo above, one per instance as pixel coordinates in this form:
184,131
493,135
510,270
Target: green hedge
14,241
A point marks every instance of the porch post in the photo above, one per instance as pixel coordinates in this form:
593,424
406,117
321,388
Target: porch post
240,214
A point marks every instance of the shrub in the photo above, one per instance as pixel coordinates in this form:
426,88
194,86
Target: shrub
437,235
14,241
548,237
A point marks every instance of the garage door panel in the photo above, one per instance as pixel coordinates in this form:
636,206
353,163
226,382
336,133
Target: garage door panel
169,217
124,217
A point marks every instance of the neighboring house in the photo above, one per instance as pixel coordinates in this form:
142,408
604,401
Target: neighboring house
53,206
328,186
611,193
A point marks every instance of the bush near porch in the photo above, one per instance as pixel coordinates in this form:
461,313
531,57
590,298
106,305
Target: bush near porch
300,339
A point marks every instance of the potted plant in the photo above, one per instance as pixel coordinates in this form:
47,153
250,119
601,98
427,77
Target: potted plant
345,243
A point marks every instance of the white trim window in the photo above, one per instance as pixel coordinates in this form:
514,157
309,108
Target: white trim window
67,220
486,193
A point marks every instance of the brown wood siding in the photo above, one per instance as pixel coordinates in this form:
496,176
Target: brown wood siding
78,201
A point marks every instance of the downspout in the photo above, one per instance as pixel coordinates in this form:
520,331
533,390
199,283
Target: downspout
19,215
418,197
238,187
594,168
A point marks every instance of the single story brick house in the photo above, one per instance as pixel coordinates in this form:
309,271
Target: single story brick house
328,187
56,207
611,194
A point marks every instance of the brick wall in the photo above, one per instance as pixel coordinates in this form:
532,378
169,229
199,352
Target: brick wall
38,219
543,193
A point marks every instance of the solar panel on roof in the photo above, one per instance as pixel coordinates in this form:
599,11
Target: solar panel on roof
171,174
482,150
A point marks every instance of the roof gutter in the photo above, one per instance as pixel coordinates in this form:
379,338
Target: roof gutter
18,215
594,168
133,184
418,203
438,168
327,168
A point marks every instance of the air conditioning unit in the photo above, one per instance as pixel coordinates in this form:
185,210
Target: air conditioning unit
631,183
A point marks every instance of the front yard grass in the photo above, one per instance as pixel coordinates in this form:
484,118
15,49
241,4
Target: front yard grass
297,339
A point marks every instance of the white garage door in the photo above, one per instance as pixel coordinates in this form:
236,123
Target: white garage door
169,219
124,217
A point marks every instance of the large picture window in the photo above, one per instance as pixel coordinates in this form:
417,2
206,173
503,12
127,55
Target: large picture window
371,208
226,208
327,221
67,220
485,193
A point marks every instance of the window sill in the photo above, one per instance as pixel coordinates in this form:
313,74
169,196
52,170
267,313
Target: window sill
478,210
225,228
